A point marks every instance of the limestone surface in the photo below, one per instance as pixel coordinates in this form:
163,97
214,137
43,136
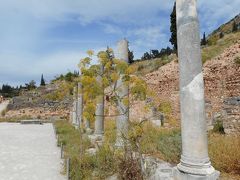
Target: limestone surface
29,152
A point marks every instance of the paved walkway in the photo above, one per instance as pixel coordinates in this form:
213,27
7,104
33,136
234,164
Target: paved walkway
29,152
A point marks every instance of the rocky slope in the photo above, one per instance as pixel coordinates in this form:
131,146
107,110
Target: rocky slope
36,104
221,77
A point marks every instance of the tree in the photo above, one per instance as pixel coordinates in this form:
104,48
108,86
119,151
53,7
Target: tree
9,91
173,28
203,40
234,27
70,76
111,70
154,53
165,52
221,35
31,85
42,81
130,56
146,56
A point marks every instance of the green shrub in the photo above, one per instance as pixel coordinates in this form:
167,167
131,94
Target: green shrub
84,166
237,60
218,127
165,107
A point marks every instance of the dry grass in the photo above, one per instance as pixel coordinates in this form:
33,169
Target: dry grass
159,142
224,153
14,119
83,165
3,113
219,46
148,66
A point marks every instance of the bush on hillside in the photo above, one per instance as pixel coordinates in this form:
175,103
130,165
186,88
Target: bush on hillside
237,60
218,127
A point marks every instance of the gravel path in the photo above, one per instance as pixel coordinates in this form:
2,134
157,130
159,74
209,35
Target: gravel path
29,152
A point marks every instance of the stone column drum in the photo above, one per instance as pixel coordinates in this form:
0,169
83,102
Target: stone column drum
195,163
123,92
99,121
80,105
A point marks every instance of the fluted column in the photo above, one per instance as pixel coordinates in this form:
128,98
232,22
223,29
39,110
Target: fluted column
123,92
195,163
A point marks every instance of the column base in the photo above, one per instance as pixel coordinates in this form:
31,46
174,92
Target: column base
89,131
180,175
98,133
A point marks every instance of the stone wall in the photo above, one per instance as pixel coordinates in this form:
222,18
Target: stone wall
34,104
231,116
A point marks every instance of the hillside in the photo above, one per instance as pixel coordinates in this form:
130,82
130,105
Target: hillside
225,28
221,76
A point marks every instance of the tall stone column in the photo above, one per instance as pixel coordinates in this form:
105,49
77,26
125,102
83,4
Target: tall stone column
74,113
99,121
123,92
195,163
80,105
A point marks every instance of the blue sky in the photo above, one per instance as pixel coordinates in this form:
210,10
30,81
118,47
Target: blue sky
51,36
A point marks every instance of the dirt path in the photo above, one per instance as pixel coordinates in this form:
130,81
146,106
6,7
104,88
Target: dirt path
29,152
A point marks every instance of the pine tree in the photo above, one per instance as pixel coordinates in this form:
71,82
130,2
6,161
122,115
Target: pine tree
42,81
234,27
173,28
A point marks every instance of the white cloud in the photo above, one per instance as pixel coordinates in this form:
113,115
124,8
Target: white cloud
151,37
20,69
112,29
24,25
213,12
88,11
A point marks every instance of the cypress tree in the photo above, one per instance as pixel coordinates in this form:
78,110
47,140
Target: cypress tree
42,81
204,41
130,56
173,28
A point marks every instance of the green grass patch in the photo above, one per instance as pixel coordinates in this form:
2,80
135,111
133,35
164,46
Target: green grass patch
163,143
148,66
84,166
158,142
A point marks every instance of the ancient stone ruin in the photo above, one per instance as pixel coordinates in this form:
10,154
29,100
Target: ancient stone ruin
195,162
123,92
231,116
99,121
